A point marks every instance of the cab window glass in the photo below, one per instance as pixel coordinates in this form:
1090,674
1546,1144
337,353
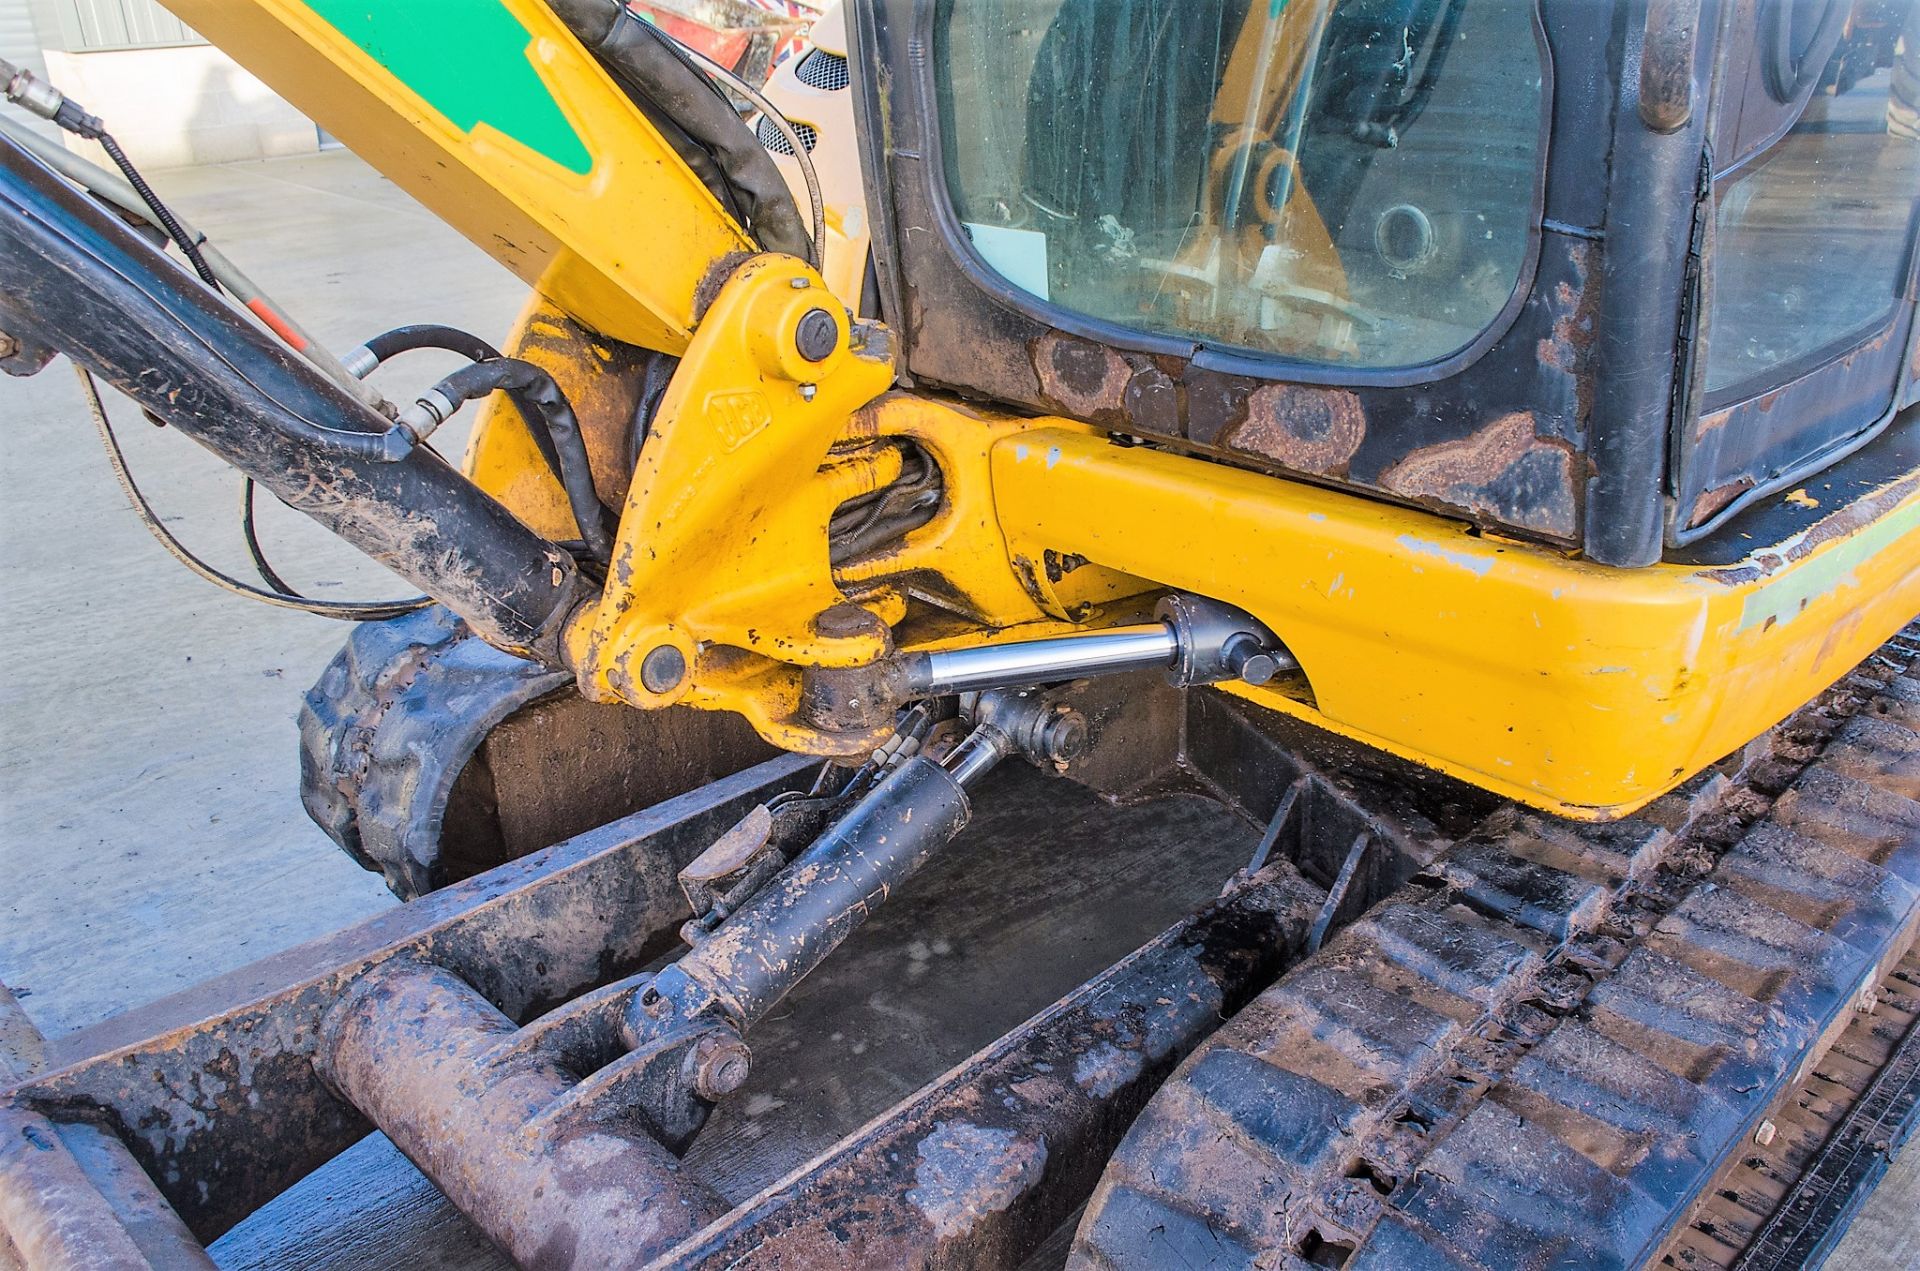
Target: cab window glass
1348,182
1810,239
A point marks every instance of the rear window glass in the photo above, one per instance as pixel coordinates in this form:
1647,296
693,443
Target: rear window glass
1349,182
1810,239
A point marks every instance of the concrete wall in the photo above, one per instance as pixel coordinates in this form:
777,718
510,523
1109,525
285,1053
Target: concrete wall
169,98
169,107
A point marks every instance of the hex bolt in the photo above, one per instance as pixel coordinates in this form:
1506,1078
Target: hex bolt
662,669
800,284
817,336
1764,1132
807,391
718,1066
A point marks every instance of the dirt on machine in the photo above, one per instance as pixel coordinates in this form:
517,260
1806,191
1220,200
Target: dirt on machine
1351,571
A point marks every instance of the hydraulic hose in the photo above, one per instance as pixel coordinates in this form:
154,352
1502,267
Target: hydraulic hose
282,595
76,278
116,190
421,335
528,383
695,118
433,335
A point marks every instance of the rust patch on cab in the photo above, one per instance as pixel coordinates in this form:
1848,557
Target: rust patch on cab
1084,378
1711,502
1711,422
1312,430
1505,471
1569,349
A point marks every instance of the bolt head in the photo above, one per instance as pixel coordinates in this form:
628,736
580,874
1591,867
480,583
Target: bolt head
662,669
1764,1132
719,1066
817,336
8,345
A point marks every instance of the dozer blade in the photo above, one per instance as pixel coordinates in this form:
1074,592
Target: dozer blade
1454,1034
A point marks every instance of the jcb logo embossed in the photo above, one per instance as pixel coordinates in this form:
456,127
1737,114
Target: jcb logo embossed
738,417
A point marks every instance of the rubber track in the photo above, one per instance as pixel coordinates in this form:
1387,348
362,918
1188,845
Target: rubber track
1540,1052
389,725
1775,1205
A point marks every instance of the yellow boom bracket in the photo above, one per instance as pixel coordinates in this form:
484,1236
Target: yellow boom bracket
721,570
492,115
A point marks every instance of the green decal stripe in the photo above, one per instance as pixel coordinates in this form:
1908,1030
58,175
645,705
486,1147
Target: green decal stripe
468,60
1782,600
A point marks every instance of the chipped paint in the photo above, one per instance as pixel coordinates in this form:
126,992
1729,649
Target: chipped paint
1478,566
1788,596
1569,348
1086,379
967,1170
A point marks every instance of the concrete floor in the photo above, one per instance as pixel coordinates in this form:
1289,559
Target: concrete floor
150,833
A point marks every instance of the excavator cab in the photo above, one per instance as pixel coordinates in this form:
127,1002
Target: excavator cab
1453,255
1426,492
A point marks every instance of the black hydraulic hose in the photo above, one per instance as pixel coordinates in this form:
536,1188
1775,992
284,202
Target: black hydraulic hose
280,594
25,89
434,335
75,120
161,212
513,376
694,117
75,277
430,335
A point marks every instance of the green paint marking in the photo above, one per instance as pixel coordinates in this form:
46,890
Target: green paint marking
1783,600
468,60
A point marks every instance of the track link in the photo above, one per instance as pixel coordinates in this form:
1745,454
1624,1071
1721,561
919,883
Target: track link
1782,1202
1541,1051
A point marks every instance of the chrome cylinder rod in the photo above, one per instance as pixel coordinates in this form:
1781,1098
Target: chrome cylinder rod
1149,646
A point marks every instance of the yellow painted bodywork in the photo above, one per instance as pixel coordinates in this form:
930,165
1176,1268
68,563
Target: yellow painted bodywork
1576,688
722,553
623,247
1573,688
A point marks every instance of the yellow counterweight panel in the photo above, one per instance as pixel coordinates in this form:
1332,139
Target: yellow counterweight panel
1575,688
493,115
